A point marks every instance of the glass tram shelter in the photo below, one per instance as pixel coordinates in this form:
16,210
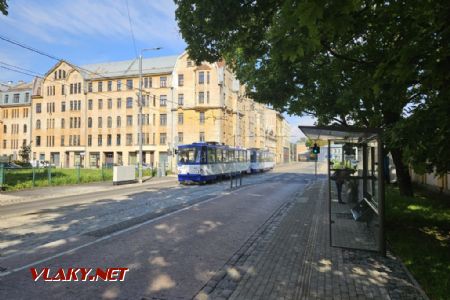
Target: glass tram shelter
355,157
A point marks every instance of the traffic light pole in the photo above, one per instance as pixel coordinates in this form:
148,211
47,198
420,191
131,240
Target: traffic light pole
315,167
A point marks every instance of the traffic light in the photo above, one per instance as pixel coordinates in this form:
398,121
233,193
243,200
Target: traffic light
316,149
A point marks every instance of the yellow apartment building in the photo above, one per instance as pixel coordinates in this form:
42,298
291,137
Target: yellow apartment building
89,115
15,116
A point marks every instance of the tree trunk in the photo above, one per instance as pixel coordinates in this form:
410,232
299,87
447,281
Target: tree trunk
403,177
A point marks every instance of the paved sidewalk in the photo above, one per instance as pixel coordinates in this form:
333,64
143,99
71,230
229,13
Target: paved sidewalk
41,193
289,257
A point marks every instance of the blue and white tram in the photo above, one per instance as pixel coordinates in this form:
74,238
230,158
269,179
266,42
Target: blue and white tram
261,160
203,162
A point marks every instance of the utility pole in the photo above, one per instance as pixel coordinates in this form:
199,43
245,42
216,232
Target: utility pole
140,112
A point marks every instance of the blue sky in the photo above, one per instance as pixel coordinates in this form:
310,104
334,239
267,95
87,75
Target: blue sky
85,32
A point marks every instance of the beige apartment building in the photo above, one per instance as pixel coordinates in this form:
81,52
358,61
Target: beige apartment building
15,117
89,115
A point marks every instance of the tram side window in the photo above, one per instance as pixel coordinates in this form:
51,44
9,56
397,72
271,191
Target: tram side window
211,155
230,156
253,156
202,155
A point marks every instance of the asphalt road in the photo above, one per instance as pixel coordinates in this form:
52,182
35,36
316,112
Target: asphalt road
172,238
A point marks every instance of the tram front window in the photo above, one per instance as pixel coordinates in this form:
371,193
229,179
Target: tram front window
191,155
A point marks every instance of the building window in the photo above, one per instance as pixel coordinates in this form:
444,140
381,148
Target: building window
25,128
119,103
99,122
129,139
202,136
129,84
100,104
129,120
119,122
180,137
89,122
162,81
180,79
109,103
27,97
63,90
163,100
5,128
109,122
63,123
16,98
189,63
90,140
147,82
38,108
109,86
207,77
38,141
207,97
6,98
180,118
129,102
108,140
163,119
62,140
100,86
90,87
118,140
181,99
99,140
90,104
162,138
201,97
63,106
38,124
202,118
201,77
119,85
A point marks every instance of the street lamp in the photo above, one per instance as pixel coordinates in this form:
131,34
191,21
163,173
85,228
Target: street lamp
140,109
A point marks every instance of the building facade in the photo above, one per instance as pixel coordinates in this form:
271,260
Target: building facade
15,116
89,115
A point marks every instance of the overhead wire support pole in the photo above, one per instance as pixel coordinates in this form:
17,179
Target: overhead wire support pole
140,121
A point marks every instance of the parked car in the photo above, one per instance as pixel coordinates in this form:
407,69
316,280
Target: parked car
11,165
41,164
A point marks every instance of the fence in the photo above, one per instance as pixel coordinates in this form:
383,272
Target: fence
433,181
23,178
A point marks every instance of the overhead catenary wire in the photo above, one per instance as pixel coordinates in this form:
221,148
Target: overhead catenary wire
131,29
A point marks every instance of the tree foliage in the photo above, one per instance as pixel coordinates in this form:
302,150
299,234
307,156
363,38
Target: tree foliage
380,64
4,7
25,152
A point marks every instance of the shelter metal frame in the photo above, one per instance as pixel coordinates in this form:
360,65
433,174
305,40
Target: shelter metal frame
361,136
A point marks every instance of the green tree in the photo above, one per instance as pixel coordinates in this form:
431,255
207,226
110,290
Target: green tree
25,152
4,7
380,64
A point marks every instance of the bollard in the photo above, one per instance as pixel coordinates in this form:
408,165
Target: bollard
49,173
34,175
2,177
231,180
78,174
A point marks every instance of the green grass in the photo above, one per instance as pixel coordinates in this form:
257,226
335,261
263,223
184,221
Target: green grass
418,230
19,179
